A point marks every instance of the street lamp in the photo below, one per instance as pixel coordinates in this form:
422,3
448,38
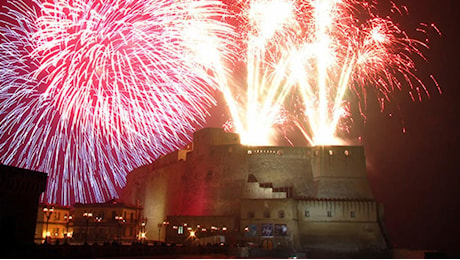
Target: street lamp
98,220
120,220
143,223
67,218
48,212
87,216
160,226
192,236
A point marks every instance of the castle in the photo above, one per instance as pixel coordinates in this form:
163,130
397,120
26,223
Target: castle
304,199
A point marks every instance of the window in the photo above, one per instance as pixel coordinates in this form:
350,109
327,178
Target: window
281,214
266,214
180,230
352,214
307,213
329,213
251,214
280,230
113,214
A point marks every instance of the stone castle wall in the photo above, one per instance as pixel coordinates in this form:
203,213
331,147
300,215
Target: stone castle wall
324,224
340,172
283,167
221,177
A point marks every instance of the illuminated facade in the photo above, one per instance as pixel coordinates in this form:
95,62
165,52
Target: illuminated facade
297,198
107,222
53,223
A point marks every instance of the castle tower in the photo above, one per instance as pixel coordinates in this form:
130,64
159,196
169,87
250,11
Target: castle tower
339,172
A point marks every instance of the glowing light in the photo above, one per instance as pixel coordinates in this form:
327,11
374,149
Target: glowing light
90,90
316,53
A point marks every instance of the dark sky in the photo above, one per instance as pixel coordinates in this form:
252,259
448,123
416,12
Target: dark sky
416,175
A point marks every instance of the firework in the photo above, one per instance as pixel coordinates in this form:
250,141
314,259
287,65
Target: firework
318,51
92,89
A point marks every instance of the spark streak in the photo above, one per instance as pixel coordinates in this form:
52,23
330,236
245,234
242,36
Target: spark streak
92,89
322,51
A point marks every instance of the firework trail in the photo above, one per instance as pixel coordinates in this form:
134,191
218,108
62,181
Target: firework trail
92,89
320,51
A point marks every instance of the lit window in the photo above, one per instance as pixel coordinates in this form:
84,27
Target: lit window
346,152
307,213
331,152
180,230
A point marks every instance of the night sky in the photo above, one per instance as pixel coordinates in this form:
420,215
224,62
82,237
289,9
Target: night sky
415,174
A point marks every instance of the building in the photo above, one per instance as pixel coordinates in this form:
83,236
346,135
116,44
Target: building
20,190
308,199
199,230
111,221
54,224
